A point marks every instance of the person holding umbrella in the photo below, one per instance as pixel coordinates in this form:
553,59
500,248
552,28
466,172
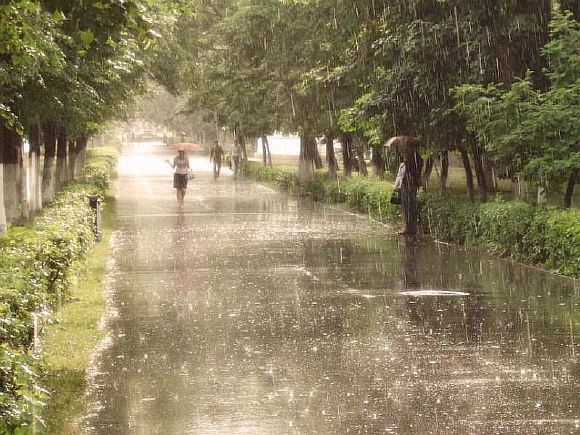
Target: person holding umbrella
180,177
408,179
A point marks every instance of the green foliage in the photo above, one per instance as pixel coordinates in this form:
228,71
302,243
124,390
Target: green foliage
19,393
511,228
554,239
100,166
503,226
286,181
372,196
528,129
363,194
35,270
450,219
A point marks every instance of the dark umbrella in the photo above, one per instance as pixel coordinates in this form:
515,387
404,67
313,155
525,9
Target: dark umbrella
404,144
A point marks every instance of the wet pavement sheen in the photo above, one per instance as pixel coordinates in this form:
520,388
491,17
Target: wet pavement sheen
254,312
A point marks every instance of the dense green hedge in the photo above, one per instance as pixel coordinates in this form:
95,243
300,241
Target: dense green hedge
366,195
549,237
35,268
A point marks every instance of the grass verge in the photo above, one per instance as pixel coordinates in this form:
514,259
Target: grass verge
70,340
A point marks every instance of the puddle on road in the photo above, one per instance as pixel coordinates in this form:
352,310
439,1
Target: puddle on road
256,313
431,292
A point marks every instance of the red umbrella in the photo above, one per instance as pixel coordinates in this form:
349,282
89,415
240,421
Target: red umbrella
187,146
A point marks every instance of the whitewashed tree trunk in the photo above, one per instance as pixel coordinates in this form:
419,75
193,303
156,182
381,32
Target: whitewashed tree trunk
48,180
306,159
34,182
3,224
12,192
24,199
542,197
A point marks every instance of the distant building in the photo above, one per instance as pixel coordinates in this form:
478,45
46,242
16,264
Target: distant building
281,145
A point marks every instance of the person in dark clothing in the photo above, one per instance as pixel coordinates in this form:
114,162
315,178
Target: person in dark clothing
408,182
216,155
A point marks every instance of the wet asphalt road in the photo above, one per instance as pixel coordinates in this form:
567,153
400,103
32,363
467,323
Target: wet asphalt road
253,312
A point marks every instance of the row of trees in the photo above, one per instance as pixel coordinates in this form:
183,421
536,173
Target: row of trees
365,70
67,67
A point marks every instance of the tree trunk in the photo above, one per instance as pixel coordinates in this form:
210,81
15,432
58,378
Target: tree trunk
80,154
268,153
479,173
489,173
347,154
330,156
34,178
15,206
468,172
71,159
3,222
264,152
306,160
572,180
542,196
378,161
362,164
427,172
444,171
317,159
48,171
242,142
61,159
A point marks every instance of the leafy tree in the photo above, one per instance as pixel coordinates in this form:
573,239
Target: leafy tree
529,129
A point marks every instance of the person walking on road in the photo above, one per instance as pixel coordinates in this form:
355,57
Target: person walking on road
215,155
181,166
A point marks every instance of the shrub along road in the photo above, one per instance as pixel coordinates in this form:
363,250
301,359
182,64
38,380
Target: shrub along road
251,311
37,263
544,236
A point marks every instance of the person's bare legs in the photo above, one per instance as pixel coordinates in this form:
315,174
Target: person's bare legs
183,192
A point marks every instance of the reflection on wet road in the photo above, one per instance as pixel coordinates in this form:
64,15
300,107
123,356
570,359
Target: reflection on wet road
252,312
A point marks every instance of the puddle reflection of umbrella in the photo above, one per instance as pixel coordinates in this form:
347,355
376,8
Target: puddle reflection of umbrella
187,146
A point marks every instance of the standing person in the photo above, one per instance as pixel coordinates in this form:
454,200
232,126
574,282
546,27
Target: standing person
181,166
236,152
408,181
215,155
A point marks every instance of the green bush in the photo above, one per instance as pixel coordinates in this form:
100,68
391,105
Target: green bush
372,196
449,219
100,166
561,240
35,269
503,226
286,181
20,393
510,228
